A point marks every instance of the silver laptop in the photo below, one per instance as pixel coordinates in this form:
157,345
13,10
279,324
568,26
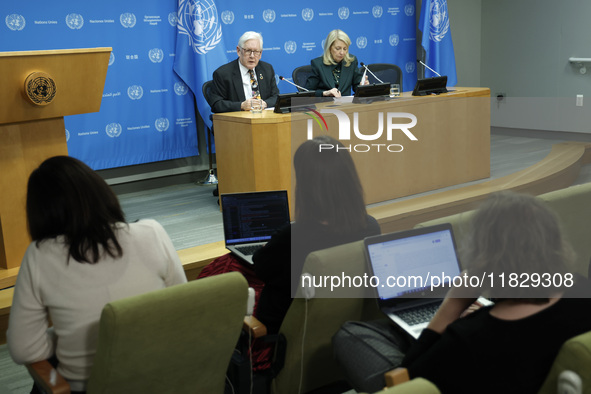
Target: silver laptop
250,219
405,263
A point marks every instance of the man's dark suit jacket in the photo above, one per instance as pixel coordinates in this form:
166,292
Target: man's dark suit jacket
227,93
322,78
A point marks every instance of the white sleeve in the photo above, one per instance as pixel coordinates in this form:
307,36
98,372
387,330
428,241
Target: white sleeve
175,273
28,337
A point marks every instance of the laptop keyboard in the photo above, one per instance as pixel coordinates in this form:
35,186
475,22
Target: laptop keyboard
248,250
420,314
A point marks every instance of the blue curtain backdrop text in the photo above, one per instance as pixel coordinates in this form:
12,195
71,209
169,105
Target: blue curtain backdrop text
147,112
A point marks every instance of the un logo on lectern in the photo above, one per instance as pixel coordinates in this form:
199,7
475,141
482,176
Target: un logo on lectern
40,88
438,20
15,22
198,19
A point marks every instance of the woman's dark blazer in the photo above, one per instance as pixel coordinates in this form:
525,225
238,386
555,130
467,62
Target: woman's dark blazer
322,79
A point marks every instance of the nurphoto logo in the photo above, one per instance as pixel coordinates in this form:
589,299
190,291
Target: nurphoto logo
388,122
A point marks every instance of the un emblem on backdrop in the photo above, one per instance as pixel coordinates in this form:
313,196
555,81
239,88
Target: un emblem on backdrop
394,40
199,20
377,11
410,67
156,55
409,10
290,47
127,20
269,16
113,130
135,92
111,58
161,124
308,14
74,21
228,17
181,89
67,135
15,22
361,42
343,13
438,20
172,19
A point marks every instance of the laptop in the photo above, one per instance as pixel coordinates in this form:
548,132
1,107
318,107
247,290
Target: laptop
250,219
412,258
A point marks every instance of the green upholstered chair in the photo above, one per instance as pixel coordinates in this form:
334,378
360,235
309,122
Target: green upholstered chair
307,357
176,340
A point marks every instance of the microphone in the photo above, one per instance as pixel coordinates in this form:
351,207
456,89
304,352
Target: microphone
297,86
366,70
433,71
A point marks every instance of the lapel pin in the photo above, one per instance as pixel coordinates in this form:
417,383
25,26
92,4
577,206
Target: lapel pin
260,76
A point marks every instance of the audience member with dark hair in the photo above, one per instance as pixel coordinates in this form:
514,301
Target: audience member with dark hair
329,211
508,347
83,255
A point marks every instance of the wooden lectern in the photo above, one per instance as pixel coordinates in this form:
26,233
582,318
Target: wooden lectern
38,89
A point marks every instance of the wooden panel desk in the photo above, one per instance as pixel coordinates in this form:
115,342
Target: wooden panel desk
255,151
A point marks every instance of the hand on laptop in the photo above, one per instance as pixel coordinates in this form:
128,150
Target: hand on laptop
455,305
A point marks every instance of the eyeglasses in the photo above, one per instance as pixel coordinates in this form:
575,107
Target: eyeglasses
250,52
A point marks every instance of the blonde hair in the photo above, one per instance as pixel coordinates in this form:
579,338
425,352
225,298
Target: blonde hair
330,39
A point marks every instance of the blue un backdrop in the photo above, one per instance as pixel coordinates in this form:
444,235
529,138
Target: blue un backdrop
147,112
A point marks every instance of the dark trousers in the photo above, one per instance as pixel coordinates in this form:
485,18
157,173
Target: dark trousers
366,350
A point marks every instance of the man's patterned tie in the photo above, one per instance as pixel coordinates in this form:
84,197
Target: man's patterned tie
254,85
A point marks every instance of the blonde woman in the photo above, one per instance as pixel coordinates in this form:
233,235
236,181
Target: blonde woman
336,71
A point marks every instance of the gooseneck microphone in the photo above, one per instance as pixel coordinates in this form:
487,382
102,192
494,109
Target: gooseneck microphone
297,86
433,71
368,70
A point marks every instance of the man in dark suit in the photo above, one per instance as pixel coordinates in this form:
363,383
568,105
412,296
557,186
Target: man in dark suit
238,83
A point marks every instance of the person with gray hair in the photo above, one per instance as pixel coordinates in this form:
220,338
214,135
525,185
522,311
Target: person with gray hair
506,347
236,85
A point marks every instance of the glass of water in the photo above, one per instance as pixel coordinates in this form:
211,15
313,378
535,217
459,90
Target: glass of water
394,90
256,106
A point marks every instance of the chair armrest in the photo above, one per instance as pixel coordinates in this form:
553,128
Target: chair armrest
396,376
46,376
254,326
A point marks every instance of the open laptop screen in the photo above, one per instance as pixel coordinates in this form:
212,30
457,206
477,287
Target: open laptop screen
406,261
253,217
